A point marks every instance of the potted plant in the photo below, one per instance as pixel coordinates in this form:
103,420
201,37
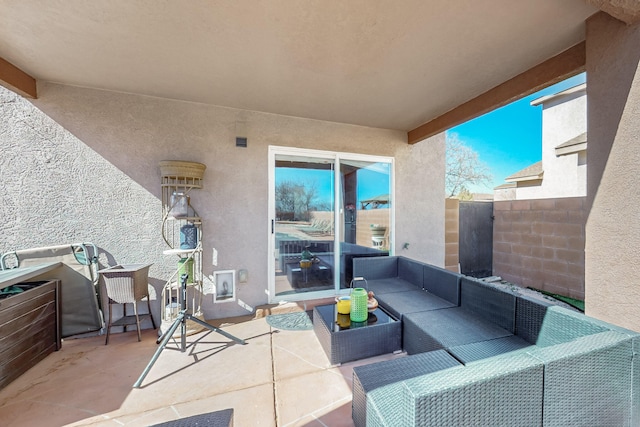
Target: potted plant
378,230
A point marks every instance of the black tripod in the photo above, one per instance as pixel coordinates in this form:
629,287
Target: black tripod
181,321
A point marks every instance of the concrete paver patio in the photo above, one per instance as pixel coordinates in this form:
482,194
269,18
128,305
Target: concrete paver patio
280,378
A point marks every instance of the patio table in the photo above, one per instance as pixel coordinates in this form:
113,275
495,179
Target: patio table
345,341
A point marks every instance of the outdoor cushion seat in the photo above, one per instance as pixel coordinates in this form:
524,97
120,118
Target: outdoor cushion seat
398,274
401,303
446,328
387,286
467,353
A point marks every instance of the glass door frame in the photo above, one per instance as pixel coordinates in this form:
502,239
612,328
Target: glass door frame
336,157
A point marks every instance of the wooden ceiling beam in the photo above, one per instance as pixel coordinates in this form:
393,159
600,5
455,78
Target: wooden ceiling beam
13,78
627,11
562,66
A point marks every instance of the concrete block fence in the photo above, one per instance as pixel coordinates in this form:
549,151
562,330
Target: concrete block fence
540,243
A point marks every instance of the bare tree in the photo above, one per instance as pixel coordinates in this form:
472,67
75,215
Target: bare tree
463,167
285,200
295,200
306,196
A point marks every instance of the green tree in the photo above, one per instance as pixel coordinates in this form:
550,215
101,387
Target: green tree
463,167
465,194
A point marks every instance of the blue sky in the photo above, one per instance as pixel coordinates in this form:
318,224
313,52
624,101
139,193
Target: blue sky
510,138
372,181
321,178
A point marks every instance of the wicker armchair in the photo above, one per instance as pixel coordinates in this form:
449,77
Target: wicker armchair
127,284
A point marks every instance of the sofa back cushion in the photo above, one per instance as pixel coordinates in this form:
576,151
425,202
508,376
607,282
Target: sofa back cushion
442,283
383,267
561,325
589,381
488,302
530,312
499,391
411,271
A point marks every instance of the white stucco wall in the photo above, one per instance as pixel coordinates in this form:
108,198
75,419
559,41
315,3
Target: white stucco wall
563,118
504,193
82,165
528,191
612,248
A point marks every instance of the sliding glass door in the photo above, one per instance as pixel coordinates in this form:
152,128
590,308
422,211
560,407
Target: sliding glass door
303,224
325,209
365,219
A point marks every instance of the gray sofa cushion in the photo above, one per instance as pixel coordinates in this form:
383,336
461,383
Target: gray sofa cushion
375,268
445,328
385,286
488,302
467,353
401,303
443,283
411,271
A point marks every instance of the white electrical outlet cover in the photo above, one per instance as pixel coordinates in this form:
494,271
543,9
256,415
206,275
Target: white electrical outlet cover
243,275
215,257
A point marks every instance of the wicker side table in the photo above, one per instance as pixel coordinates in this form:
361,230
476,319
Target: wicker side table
127,284
344,341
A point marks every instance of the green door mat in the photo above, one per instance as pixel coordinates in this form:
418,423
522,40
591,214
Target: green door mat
300,321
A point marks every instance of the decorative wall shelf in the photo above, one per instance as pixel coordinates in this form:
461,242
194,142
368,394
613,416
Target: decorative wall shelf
182,232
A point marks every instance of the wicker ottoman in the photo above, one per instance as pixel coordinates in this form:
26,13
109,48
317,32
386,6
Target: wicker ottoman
370,377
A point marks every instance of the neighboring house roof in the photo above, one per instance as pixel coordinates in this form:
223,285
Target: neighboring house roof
574,145
530,173
575,89
375,202
506,186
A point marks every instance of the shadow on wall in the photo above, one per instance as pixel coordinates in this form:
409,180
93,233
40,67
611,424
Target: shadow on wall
76,188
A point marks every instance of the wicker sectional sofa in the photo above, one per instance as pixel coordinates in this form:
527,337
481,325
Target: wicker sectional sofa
483,355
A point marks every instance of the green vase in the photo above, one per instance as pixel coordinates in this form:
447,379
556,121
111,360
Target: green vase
359,311
185,266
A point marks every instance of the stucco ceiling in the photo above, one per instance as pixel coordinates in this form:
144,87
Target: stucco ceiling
389,64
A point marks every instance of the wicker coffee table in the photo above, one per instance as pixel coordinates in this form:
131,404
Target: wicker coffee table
344,341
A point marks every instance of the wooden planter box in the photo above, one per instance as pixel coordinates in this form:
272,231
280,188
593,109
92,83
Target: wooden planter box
29,328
